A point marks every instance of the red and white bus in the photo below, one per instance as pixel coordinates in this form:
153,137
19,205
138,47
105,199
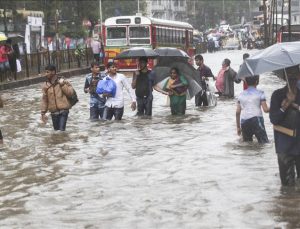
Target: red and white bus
124,32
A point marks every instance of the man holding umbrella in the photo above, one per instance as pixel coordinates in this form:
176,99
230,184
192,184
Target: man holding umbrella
283,102
143,81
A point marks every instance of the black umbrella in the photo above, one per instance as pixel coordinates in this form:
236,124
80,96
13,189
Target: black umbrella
137,52
162,71
171,52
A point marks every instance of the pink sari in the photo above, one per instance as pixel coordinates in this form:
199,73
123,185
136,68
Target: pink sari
220,80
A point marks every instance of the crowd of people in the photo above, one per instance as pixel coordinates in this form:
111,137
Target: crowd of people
105,88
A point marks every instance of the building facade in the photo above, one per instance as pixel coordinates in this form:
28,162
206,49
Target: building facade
167,9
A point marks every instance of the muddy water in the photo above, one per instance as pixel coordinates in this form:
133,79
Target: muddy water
164,172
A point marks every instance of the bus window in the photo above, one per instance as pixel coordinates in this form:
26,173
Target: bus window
139,32
116,33
116,36
139,35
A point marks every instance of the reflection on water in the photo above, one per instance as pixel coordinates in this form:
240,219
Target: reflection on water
159,172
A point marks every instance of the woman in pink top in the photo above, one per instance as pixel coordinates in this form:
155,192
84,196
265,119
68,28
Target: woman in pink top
4,64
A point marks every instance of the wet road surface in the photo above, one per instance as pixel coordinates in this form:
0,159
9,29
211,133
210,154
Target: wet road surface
164,172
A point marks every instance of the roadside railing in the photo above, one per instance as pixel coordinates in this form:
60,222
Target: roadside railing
33,64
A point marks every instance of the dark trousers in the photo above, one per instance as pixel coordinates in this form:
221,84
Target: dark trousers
254,126
110,112
97,57
59,120
96,112
200,99
144,105
287,166
1,136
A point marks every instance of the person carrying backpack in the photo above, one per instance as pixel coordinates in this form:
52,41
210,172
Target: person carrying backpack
56,92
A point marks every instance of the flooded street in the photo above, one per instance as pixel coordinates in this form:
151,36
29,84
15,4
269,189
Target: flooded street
164,172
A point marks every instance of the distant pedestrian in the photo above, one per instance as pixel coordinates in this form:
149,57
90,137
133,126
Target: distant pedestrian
114,106
54,99
287,146
97,102
1,136
249,117
245,56
143,82
204,73
176,86
225,80
96,48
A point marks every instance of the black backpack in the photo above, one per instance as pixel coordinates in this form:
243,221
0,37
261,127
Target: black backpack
73,99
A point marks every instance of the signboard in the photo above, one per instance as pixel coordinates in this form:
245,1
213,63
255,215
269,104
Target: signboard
34,21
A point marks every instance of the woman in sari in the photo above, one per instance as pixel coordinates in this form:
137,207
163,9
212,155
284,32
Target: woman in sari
176,86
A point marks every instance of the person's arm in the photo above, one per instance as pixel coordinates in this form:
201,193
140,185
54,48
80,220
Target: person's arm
234,74
130,92
134,78
238,119
44,105
183,82
157,88
277,111
66,87
265,107
86,88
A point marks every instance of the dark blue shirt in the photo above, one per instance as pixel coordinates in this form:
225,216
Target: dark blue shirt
284,143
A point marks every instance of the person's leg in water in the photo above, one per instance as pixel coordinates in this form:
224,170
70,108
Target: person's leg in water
1,137
260,131
118,113
286,165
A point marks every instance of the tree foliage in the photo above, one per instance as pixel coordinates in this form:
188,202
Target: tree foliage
71,13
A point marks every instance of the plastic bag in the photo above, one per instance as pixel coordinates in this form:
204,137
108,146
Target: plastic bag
19,68
106,86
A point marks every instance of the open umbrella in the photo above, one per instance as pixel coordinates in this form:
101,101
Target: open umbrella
275,57
16,38
2,37
137,52
162,72
171,52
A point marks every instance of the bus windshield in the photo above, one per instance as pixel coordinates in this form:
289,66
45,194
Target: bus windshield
139,35
116,36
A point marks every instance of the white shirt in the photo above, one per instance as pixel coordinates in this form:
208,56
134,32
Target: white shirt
250,101
96,46
121,82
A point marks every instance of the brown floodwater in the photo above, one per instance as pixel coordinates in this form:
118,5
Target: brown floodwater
163,172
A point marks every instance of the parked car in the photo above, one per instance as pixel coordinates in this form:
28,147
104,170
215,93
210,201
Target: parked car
232,44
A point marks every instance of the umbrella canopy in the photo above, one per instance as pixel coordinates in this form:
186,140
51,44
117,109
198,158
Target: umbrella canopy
16,38
171,52
137,52
275,57
162,72
3,37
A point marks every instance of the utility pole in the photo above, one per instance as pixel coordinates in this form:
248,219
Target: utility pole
100,12
266,41
290,18
250,13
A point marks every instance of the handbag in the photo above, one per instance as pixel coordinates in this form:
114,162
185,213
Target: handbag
289,124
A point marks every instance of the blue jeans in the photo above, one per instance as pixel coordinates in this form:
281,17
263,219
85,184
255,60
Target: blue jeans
110,112
96,110
59,119
144,105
